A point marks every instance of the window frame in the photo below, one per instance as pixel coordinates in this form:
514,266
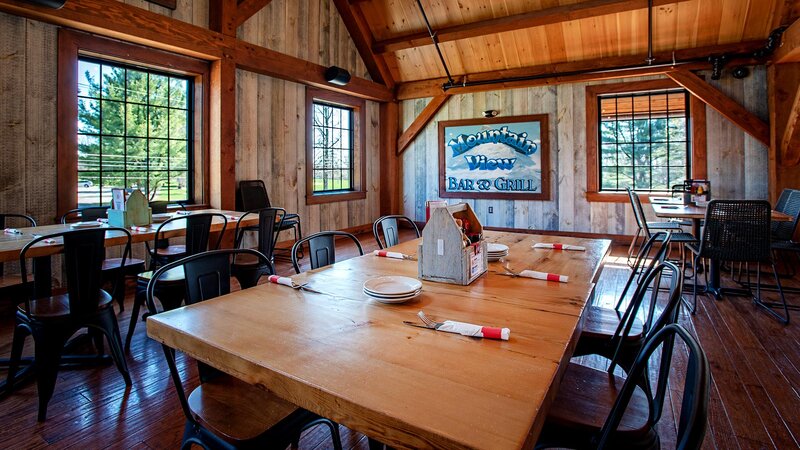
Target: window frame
359,160
696,128
71,46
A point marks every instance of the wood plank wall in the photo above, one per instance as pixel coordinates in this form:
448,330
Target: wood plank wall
271,116
737,163
190,11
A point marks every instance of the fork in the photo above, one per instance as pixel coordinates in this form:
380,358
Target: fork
430,323
507,267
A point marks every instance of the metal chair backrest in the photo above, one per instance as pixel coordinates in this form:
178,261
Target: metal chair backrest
737,230
207,275
198,229
638,212
648,290
321,248
646,260
693,419
20,217
269,220
391,229
87,214
84,253
253,195
159,206
789,204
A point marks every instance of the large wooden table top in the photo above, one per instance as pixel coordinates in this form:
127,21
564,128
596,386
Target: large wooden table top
11,244
351,359
679,211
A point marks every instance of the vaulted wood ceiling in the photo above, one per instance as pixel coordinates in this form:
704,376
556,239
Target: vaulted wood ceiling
572,30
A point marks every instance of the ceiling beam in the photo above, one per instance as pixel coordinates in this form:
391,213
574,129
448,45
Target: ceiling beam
359,31
129,23
789,51
716,99
419,123
790,144
787,11
247,9
567,72
221,16
547,16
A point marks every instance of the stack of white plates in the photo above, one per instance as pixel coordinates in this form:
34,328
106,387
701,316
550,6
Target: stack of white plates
392,289
496,251
90,224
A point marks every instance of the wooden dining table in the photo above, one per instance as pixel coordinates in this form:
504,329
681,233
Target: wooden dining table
675,210
347,357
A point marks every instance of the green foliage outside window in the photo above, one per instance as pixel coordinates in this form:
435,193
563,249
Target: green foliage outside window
133,132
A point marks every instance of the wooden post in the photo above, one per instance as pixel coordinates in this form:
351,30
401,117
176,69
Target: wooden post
389,164
783,82
222,145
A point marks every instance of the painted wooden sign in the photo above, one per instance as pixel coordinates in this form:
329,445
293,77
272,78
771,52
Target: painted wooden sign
502,157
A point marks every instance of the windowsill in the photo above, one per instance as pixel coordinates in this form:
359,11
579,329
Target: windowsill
620,197
316,199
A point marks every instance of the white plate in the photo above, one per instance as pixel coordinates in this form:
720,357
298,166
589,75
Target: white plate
394,299
491,247
494,258
392,285
372,294
92,224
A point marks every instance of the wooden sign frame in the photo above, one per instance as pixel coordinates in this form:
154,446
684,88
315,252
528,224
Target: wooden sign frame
543,150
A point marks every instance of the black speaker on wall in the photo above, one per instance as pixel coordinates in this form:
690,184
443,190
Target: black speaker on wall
337,75
55,4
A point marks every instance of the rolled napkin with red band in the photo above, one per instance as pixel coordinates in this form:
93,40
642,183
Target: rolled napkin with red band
286,281
138,228
544,276
556,246
468,329
233,218
395,255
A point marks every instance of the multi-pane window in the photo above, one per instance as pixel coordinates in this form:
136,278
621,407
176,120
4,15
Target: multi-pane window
134,131
333,148
644,140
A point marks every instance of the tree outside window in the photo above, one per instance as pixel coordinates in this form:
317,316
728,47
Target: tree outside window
333,148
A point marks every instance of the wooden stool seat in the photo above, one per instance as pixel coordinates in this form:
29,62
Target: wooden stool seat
585,399
602,323
114,263
172,250
57,306
171,276
236,410
247,261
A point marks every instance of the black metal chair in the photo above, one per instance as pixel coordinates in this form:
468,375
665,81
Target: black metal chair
783,232
86,214
321,248
225,412
162,206
389,225
52,319
643,225
26,221
596,410
198,230
253,195
629,333
247,269
739,231
652,252
676,237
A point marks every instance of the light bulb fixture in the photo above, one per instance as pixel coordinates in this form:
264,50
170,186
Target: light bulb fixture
490,113
337,75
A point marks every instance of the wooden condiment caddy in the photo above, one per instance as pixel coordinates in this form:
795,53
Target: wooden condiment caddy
453,249
136,211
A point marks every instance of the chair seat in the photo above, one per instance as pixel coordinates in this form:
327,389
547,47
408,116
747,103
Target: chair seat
172,250
57,306
247,261
681,238
786,245
601,323
664,225
9,280
584,401
130,264
174,275
236,410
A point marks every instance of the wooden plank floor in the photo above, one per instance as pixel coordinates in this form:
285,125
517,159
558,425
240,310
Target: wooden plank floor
755,395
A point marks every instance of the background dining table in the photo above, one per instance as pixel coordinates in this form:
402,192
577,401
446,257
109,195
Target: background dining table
345,356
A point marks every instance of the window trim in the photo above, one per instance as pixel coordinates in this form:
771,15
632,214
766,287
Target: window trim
72,45
358,106
697,129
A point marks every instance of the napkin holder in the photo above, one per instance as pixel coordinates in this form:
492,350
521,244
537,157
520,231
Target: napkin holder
444,256
135,212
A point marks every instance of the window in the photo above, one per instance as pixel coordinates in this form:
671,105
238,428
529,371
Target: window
134,128
644,140
646,134
333,148
130,116
335,140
